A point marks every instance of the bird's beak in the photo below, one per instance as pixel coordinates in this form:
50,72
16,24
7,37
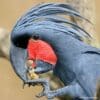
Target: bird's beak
18,58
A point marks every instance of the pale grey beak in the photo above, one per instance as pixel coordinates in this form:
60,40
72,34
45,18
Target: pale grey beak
18,58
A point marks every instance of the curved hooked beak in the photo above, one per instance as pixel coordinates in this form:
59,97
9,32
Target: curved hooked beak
18,58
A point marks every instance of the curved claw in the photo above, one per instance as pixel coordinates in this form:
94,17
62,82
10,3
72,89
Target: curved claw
48,94
40,95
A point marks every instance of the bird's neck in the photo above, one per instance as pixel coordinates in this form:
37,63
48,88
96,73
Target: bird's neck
67,47
67,50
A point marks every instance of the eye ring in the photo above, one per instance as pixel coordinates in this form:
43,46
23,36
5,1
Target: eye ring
35,37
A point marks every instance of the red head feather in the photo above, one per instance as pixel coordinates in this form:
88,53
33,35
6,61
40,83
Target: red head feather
40,50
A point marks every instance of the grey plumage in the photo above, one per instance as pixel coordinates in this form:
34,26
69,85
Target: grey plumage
78,64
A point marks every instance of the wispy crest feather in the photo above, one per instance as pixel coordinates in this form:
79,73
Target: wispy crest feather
49,13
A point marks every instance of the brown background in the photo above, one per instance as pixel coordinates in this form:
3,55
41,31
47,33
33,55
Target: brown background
10,84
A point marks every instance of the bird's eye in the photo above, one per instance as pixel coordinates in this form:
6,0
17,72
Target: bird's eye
35,37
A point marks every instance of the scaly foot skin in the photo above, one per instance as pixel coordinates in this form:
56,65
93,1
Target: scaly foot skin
46,92
49,94
46,89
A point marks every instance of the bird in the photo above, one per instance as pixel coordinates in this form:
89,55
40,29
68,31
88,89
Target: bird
42,31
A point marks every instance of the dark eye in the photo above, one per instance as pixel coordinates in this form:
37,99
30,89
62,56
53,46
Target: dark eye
35,37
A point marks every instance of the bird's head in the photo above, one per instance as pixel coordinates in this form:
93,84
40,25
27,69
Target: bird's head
37,54
38,35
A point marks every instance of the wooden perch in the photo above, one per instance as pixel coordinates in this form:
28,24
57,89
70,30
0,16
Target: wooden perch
4,43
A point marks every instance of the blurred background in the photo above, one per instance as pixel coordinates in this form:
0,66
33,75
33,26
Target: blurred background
10,84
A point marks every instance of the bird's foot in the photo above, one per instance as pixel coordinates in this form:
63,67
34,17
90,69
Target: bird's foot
46,92
46,88
50,95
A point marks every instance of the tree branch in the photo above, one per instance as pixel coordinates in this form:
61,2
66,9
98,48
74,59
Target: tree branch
4,43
